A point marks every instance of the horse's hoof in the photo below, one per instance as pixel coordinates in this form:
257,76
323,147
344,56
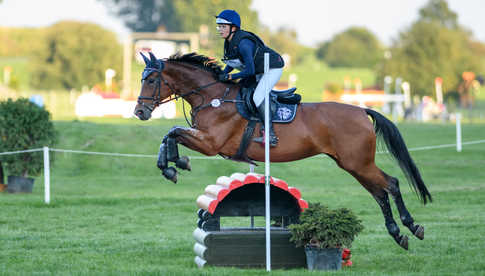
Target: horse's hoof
170,174
419,233
404,242
183,163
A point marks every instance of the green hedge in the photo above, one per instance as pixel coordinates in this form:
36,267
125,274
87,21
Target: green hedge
24,125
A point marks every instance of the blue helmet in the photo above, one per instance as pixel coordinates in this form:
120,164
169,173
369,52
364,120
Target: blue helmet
229,17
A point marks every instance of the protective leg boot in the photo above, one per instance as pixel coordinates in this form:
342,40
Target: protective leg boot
273,140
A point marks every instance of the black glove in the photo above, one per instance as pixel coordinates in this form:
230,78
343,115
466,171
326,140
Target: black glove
223,77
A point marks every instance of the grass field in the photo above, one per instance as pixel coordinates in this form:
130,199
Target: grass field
118,216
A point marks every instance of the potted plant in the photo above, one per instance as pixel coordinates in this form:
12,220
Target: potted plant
324,233
24,125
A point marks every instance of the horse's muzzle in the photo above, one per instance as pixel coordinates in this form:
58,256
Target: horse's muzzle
143,113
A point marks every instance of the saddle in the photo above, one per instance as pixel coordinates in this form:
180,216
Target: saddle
283,104
283,110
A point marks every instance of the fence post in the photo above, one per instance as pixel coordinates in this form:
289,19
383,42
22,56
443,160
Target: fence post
458,132
47,176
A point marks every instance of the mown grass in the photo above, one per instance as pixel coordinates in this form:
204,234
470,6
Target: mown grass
118,216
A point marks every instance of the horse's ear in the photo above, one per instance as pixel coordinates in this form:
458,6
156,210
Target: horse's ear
147,61
152,57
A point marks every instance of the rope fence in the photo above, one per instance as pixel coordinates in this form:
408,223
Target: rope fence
211,157
46,151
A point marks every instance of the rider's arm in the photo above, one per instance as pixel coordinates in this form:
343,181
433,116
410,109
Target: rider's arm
246,49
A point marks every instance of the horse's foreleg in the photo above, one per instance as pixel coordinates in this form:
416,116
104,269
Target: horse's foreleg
391,225
195,139
191,138
404,214
162,162
173,154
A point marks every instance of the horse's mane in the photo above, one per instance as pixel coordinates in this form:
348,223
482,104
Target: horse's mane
201,61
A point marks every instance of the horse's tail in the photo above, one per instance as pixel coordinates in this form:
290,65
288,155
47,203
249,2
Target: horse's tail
396,146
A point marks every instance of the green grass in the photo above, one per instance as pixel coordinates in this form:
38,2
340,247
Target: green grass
112,215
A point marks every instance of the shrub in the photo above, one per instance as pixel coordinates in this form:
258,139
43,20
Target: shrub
24,125
325,228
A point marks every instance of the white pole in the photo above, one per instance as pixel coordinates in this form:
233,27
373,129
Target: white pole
47,176
266,167
458,132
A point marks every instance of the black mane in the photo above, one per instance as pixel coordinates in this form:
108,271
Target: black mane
201,61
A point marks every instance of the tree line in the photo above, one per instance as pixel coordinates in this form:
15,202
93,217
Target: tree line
72,54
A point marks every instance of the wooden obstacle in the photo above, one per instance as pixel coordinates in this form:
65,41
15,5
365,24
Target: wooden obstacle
242,195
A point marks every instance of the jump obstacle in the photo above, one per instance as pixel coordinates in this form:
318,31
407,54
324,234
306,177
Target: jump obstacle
243,195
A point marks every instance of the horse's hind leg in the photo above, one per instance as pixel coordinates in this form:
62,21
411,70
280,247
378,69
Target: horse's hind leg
383,200
376,183
406,217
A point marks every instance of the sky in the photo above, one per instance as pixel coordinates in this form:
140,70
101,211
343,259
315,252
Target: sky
314,20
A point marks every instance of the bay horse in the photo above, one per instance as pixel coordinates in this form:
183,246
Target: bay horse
343,132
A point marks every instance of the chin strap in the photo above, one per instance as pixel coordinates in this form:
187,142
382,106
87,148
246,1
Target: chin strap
231,32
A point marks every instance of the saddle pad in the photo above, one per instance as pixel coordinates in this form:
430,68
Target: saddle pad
285,113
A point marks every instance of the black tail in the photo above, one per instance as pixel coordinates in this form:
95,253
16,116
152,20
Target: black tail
396,146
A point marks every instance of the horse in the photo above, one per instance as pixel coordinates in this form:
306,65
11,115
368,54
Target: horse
343,132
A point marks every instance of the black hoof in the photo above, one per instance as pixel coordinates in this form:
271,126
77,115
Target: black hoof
404,242
419,233
170,174
183,163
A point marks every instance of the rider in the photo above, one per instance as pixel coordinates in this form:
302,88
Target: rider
245,51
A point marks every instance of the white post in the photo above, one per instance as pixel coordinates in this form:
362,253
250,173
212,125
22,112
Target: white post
266,168
458,132
47,176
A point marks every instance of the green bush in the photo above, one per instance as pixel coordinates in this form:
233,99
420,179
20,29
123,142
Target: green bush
24,125
325,228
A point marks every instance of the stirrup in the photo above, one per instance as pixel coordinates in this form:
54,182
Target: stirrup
273,140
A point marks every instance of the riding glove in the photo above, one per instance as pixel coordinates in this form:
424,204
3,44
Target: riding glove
223,77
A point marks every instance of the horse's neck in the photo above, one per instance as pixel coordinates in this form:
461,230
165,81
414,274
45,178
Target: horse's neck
187,80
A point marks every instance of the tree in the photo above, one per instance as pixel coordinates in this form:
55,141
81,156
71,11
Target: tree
284,41
355,47
438,11
434,46
180,15
75,54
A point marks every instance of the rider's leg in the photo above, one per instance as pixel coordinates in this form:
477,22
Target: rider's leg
265,84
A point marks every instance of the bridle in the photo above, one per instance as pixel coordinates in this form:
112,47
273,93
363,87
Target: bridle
156,96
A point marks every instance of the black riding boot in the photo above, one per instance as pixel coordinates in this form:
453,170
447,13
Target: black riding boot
273,140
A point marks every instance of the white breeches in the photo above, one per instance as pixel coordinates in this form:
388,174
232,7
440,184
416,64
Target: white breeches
266,83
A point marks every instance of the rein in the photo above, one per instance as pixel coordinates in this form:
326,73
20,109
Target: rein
156,97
